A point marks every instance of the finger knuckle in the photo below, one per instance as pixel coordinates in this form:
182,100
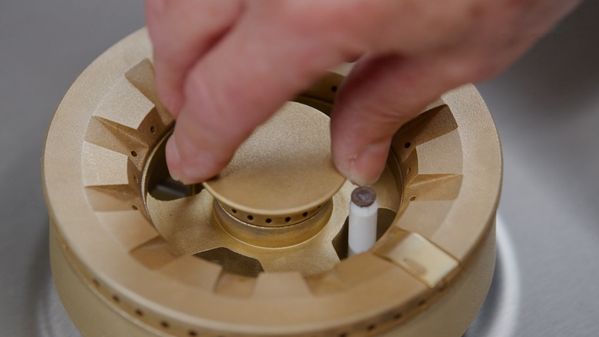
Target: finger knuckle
223,11
472,69
207,105
337,22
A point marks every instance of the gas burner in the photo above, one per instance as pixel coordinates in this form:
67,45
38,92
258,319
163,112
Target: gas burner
262,249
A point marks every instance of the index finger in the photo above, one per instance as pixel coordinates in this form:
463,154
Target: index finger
240,83
182,32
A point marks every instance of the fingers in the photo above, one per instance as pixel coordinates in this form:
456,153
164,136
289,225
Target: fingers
181,32
378,97
239,84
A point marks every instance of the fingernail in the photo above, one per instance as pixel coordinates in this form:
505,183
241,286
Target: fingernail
344,164
173,159
367,167
356,177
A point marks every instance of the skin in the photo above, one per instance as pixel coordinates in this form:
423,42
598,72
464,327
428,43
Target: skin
223,67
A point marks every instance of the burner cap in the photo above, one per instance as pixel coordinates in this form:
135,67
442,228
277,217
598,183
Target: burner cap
285,166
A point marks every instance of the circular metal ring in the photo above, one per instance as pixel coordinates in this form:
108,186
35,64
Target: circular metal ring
118,274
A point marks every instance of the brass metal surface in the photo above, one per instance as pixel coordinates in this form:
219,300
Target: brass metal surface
129,261
284,168
96,316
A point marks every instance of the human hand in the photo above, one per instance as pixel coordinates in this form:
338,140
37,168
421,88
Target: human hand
225,66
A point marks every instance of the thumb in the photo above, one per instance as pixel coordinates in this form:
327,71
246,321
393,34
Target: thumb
378,97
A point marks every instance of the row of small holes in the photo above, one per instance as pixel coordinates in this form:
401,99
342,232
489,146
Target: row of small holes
140,313
192,333
269,220
372,327
152,130
134,154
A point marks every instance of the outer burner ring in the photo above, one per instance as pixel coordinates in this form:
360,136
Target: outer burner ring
436,258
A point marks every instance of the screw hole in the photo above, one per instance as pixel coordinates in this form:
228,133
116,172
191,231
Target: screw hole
165,324
371,327
334,88
407,145
287,219
134,207
268,220
116,298
233,210
421,303
305,214
134,154
343,334
397,316
152,129
139,312
192,333
412,198
250,217
96,283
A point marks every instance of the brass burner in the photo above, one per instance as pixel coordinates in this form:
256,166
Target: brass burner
136,254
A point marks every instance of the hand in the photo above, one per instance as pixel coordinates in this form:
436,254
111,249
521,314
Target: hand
225,66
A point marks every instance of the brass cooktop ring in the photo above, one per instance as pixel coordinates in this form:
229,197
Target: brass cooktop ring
115,269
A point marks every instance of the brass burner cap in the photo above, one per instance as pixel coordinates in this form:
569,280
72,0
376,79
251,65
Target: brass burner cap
283,169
